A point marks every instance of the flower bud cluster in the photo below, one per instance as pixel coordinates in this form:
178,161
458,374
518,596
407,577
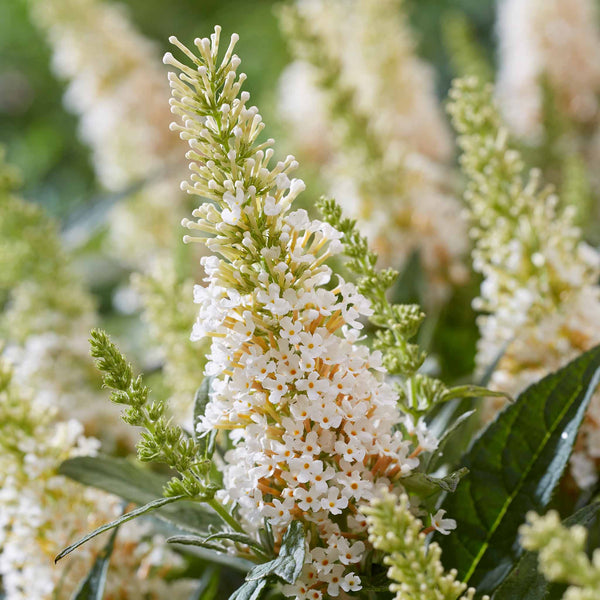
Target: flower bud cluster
310,420
539,296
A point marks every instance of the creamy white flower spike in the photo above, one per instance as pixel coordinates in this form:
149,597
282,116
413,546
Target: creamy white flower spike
362,105
555,40
41,512
540,295
311,419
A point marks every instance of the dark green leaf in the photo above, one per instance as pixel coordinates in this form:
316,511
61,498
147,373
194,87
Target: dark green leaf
134,484
92,587
424,485
288,564
251,590
514,467
525,581
142,510
208,586
380,583
410,285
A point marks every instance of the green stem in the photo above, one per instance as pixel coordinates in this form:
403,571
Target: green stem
224,514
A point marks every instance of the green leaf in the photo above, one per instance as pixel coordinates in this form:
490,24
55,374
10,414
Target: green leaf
92,587
380,584
194,540
288,564
410,285
122,519
205,542
470,391
134,484
438,456
525,581
201,399
424,485
251,590
266,536
514,467
208,586
240,538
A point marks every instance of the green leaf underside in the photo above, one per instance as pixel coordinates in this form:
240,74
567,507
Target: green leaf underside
525,582
193,540
514,465
124,479
251,590
201,399
205,542
92,587
288,564
240,538
122,519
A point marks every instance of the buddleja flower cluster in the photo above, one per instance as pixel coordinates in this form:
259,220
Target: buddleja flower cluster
540,294
360,100
562,555
310,418
41,510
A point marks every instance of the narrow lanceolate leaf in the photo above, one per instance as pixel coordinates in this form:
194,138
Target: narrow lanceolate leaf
142,510
514,467
134,484
92,587
526,582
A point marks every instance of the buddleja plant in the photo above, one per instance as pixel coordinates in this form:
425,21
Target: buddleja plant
312,464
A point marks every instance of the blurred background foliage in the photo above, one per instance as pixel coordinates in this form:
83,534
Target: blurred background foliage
41,138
